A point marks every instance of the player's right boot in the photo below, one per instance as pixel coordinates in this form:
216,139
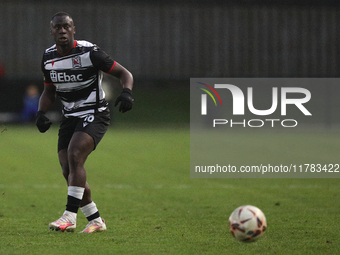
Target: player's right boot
64,223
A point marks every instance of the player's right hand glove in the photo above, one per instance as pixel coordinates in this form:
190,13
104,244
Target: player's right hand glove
42,122
125,100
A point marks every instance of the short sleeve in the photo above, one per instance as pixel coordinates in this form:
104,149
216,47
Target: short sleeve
47,77
101,60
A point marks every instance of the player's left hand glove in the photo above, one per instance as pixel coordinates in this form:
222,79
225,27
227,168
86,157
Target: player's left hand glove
125,100
42,122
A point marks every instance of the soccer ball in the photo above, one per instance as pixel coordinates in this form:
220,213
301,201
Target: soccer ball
247,223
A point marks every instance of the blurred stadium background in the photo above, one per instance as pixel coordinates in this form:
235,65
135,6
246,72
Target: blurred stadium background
164,43
143,184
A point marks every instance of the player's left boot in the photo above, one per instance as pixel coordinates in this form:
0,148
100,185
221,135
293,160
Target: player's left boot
95,226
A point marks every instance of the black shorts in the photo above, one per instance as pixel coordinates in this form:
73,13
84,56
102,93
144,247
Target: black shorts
95,125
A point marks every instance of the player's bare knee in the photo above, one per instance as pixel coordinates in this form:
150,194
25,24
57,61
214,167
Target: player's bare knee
76,156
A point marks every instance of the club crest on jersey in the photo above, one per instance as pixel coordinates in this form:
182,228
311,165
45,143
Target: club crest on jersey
76,62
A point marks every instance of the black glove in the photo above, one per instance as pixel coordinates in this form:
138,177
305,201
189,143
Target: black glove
125,100
42,122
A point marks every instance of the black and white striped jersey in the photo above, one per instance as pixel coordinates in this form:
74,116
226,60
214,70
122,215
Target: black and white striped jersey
77,77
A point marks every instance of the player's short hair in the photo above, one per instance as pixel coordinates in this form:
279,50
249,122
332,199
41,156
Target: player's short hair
60,14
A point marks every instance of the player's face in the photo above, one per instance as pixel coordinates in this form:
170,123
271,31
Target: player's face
63,30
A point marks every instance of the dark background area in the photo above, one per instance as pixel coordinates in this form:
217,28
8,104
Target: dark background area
165,43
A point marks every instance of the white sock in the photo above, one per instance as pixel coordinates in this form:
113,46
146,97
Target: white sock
72,215
76,192
90,209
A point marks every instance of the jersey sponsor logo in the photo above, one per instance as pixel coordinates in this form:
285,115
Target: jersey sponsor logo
76,62
63,77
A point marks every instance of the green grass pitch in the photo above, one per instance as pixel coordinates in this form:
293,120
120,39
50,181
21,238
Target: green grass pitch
140,182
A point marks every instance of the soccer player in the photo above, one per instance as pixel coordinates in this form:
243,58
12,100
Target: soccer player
73,72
